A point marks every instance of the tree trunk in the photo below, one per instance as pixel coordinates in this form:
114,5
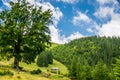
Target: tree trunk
16,63
17,54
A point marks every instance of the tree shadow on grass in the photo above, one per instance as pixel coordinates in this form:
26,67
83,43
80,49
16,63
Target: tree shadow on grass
10,67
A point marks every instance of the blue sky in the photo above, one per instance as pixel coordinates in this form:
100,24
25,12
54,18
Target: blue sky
79,18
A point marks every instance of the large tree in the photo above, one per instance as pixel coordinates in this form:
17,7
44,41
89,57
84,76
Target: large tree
24,31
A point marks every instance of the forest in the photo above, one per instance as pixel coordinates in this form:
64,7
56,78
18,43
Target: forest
90,58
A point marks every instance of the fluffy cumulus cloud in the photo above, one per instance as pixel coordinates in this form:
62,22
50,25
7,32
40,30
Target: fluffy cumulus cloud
69,1
80,17
112,27
82,20
104,12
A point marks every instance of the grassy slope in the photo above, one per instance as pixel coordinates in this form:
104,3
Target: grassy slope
25,75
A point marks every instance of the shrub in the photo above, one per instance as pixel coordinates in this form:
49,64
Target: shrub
6,72
38,71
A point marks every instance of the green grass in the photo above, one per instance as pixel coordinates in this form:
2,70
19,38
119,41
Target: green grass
25,75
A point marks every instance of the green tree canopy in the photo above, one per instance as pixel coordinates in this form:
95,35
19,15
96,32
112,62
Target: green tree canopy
101,72
24,31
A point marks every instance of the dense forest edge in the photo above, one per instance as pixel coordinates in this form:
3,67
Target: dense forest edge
90,58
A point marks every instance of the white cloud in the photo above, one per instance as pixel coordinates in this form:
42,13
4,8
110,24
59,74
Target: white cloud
61,39
6,3
69,1
55,37
75,35
82,20
103,12
80,17
102,2
57,14
111,28
90,30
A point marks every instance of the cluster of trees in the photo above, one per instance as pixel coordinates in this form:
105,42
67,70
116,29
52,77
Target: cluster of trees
86,72
24,31
90,58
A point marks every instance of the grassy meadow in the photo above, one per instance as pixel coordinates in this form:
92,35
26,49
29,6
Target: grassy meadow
25,74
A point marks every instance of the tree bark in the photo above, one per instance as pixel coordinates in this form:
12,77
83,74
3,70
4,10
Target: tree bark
17,54
16,63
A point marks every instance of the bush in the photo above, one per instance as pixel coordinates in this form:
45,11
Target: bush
6,72
38,71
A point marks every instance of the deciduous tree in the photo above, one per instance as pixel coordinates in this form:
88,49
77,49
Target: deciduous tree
24,31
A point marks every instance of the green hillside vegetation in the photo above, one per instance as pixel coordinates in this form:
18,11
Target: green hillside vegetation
25,35
90,58
25,74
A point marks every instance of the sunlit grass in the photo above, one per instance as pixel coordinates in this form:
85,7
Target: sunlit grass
25,75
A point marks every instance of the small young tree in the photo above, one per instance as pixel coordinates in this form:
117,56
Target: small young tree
23,31
44,59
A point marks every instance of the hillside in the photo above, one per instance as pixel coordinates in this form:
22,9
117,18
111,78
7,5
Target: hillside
25,74
87,54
